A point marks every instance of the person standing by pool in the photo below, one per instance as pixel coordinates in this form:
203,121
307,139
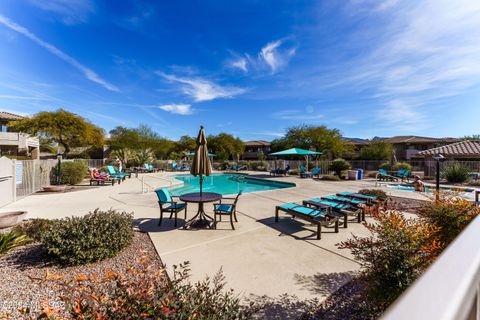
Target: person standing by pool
418,184
119,165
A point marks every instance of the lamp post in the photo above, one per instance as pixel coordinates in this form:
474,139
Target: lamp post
439,158
59,164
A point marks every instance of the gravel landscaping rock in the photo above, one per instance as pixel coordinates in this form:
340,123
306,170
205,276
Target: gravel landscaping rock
29,277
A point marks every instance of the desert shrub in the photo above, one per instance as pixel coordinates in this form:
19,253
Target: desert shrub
385,166
455,173
450,214
96,236
33,228
382,195
10,240
330,177
71,172
144,294
339,165
395,254
259,165
402,165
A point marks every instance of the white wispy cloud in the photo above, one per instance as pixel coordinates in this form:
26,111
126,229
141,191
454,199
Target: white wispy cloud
426,51
274,56
87,72
70,11
294,114
239,63
182,109
201,89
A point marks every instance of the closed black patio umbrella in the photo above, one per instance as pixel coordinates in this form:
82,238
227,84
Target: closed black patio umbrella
201,165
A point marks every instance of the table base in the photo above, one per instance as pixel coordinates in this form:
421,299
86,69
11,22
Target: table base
200,220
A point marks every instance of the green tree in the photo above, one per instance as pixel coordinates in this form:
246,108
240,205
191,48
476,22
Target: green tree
186,144
225,146
65,128
320,138
123,142
376,150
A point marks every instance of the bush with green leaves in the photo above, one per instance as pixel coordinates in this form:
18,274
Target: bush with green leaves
382,195
385,166
394,256
455,173
33,228
258,165
339,165
144,293
10,240
451,214
71,172
402,165
93,237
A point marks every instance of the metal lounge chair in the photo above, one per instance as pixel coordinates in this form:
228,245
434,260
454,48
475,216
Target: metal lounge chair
316,216
119,171
316,172
226,209
339,209
304,173
172,207
403,174
383,175
101,181
113,173
370,199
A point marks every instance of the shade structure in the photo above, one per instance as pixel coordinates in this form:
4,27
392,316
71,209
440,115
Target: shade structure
295,151
201,165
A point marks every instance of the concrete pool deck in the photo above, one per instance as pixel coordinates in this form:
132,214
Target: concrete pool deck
260,257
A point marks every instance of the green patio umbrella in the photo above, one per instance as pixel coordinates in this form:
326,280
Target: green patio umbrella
295,151
201,163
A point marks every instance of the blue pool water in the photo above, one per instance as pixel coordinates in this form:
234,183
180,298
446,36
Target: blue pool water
226,184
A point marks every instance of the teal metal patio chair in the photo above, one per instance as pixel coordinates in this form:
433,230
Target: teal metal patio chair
226,209
166,203
115,174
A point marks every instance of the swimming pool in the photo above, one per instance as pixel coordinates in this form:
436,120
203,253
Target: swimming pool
226,184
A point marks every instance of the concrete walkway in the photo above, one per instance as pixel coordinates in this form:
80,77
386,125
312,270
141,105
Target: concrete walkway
260,257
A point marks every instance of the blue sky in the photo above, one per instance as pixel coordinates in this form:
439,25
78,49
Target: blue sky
250,68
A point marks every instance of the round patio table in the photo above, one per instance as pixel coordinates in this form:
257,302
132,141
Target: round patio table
201,219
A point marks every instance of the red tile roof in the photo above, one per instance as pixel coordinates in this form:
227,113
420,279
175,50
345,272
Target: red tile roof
10,116
257,143
466,149
417,139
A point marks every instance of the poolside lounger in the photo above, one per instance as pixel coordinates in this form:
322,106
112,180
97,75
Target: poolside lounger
338,209
402,174
383,175
111,169
113,173
368,198
304,173
316,172
101,181
173,207
352,202
314,215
